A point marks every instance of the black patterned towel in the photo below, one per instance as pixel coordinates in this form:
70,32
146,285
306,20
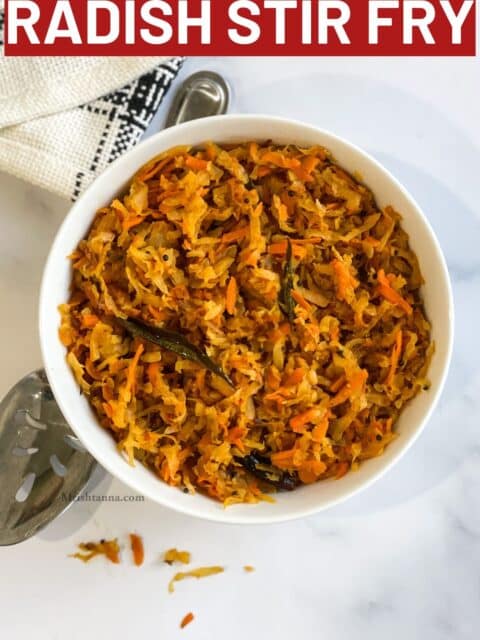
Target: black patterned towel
63,120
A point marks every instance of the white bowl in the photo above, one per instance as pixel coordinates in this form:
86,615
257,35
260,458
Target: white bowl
235,128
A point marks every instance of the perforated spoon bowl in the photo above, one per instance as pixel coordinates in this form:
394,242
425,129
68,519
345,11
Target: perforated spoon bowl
43,465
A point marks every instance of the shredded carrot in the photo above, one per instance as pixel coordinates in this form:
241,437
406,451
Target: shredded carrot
211,151
280,249
300,420
160,315
280,160
395,358
130,222
304,172
236,433
107,407
151,173
338,384
294,378
345,282
136,544
237,234
132,368
342,470
319,431
310,163
263,172
388,292
310,471
283,459
231,297
89,320
251,257
153,371
197,164
300,300
353,386
187,620
280,332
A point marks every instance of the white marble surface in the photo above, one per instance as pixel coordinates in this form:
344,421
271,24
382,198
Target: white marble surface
400,561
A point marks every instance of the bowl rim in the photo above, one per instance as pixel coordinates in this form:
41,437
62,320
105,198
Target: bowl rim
294,512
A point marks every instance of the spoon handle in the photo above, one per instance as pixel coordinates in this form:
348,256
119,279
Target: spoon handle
201,95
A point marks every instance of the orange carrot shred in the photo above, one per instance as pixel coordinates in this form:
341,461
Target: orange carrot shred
231,297
136,544
280,160
159,314
280,249
337,384
388,292
262,172
343,468
129,223
353,386
187,620
197,164
153,370
304,171
301,419
237,234
309,163
344,280
294,378
132,368
300,300
283,459
211,151
319,432
89,320
154,170
311,470
107,407
236,434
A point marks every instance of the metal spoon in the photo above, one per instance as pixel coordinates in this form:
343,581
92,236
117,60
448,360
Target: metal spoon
43,465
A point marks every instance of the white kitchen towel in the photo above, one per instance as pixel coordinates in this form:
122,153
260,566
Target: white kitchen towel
63,120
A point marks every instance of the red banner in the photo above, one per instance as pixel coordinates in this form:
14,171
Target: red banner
240,27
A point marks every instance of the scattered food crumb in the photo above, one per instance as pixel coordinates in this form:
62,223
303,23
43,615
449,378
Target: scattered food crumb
174,555
136,544
107,548
248,568
187,620
202,572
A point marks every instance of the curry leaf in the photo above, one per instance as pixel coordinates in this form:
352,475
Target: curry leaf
175,342
287,303
262,468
